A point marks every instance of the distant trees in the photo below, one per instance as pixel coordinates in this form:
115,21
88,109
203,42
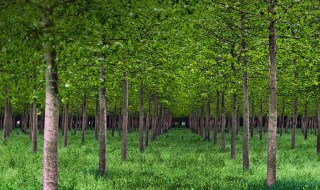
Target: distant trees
152,60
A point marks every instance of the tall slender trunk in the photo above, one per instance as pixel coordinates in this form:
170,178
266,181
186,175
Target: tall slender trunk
30,123
50,146
155,119
245,140
252,118
84,122
34,128
305,129
234,125
260,125
272,132
234,108
282,117
125,118
223,122
208,120
96,123
114,120
202,122
148,121
103,122
295,109
216,123
141,120
65,126
6,120
318,114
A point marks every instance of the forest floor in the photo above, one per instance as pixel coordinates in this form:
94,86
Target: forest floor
178,159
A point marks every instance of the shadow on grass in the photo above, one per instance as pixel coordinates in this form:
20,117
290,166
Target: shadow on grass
287,184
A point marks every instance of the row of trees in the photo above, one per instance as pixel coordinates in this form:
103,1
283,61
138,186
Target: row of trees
100,56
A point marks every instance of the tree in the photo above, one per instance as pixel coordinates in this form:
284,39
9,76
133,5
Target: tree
50,146
272,132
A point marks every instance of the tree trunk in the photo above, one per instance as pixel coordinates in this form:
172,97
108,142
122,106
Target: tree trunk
6,121
97,120
223,122
318,114
260,125
125,118
84,116
305,128
272,132
114,121
216,123
202,122
65,126
141,120
103,122
208,120
282,117
155,119
148,121
50,146
234,125
252,118
245,140
295,110
34,128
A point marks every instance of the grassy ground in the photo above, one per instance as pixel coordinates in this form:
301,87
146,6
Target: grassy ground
178,159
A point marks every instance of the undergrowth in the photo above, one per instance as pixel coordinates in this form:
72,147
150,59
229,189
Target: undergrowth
178,159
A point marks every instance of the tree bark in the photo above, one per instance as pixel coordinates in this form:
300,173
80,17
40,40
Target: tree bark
223,122
155,119
97,120
216,123
305,128
65,126
208,120
202,122
125,118
84,121
34,128
103,122
234,125
141,120
282,117
318,115
6,121
50,147
272,132
148,121
245,140
260,125
295,110
252,118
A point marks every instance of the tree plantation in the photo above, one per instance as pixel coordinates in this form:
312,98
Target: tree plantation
171,94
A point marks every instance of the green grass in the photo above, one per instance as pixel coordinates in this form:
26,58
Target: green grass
178,159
